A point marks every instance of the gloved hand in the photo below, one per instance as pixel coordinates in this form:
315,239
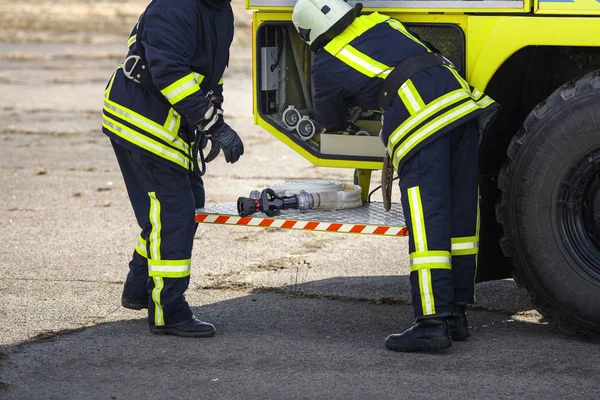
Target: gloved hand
223,136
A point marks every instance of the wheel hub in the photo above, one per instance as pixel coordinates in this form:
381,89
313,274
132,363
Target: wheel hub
579,212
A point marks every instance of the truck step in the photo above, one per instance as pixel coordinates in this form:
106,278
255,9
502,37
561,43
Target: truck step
370,219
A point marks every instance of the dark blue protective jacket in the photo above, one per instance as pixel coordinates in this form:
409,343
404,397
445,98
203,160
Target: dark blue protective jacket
185,46
350,70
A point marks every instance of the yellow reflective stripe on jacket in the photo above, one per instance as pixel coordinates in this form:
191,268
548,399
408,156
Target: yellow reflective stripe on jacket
198,78
181,88
359,26
173,123
410,97
159,315
464,246
147,125
140,247
397,25
363,63
169,268
431,108
220,81
417,219
145,142
437,124
435,259
131,40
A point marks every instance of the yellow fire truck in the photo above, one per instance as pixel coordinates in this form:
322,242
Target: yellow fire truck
539,165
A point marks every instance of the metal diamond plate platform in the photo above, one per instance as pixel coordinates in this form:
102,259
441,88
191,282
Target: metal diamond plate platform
369,219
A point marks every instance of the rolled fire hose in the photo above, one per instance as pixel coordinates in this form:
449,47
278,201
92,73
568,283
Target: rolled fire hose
326,195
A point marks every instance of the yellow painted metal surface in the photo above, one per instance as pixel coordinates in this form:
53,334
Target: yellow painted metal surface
569,7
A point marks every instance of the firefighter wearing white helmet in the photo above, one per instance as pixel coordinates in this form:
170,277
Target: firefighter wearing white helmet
318,21
430,131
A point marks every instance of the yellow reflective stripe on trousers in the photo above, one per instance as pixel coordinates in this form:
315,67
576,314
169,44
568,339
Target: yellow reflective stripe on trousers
363,63
131,40
359,26
147,125
434,259
181,88
464,246
159,315
422,263
155,222
169,268
140,247
173,123
438,123
431,108
417,219
145,142
410,97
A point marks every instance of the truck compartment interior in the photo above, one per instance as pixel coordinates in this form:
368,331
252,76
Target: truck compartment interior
284,91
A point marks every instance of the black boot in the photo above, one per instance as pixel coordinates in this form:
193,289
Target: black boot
425,335
193,328
458,324
134,297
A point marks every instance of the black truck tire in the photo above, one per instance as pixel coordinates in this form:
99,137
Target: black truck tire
550,206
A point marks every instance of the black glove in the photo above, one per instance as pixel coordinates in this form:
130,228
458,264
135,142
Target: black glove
228,140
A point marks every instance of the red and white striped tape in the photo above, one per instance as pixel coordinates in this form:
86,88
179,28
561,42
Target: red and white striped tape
302,225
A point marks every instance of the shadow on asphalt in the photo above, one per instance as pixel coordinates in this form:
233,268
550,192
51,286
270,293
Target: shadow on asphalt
276,345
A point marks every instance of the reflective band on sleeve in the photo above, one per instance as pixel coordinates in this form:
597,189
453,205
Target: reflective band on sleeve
145,142
359,26
417,219
402,29
181,88
155,233
147,125
159,316
131,40
169,268
140,247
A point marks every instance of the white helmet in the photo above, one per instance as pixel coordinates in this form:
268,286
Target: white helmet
319,21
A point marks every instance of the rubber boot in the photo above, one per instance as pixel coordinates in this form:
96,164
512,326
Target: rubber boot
425,335
458,324
193,328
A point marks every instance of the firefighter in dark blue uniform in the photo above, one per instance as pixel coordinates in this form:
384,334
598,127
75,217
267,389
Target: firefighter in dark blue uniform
430,130
160,106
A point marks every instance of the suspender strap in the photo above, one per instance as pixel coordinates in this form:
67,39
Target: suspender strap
404,71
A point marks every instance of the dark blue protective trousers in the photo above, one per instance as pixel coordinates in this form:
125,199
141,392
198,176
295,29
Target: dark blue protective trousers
164,200
439,189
